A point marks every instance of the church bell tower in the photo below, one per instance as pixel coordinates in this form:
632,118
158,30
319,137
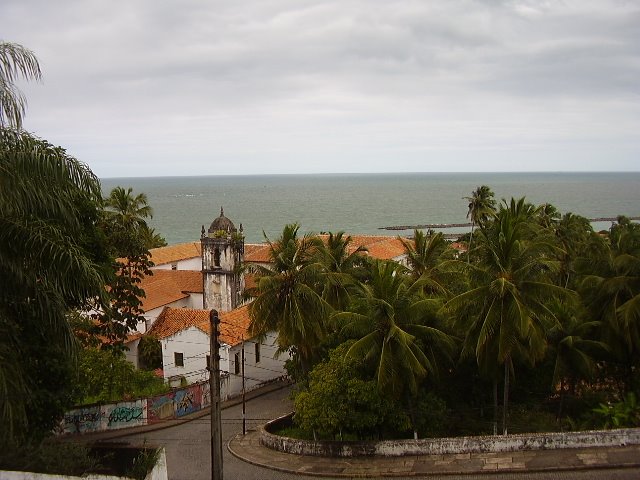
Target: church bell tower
222,257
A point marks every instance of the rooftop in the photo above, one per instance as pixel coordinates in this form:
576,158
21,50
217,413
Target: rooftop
233,324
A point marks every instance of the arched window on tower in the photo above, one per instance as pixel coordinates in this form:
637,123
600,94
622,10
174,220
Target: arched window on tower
216,257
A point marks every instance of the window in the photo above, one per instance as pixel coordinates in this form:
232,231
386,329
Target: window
237,362
178,359
174,266
216,257
209,366
257,353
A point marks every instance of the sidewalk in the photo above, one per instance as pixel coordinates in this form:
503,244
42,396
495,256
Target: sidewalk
249,449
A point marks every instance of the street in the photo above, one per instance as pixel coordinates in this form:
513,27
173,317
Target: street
188,448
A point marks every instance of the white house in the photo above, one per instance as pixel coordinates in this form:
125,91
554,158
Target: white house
184,337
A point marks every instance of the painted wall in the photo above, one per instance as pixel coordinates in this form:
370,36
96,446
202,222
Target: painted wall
114,416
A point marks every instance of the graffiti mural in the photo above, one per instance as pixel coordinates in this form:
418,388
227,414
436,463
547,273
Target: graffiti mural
188,400
206,394
127,414
83,420
177,403
160,407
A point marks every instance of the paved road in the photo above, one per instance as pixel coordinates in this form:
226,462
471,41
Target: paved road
188,448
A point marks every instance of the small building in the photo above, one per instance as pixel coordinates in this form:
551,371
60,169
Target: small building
184,335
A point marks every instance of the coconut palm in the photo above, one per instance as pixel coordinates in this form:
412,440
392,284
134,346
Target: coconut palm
286,296
575,347
15,62
482,206
48,204
394,324
504,314
424,258
612,292
126,209
341,266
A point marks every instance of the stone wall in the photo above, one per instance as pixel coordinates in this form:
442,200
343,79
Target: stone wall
438,446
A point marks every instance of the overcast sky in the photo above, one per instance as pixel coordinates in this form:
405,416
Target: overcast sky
205,87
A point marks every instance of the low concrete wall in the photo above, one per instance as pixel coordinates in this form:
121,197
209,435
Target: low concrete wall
159,472
438,446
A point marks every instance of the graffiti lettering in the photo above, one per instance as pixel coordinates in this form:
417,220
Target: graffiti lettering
85,417
186,403
125,414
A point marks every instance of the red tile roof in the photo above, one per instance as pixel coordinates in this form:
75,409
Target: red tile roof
233,324
167,286
379,246
256,253
175,253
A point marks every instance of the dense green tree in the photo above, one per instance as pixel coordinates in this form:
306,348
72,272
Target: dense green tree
48,200
612,295
340,399
15,62
126,231
575,347
150,352
395,329
505,314
287,298
107,376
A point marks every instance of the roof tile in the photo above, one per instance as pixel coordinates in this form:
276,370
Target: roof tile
233,325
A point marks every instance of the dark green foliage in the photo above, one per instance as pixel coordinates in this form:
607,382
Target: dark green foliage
625,413
340,400
48,201
49,457
106,376
150,352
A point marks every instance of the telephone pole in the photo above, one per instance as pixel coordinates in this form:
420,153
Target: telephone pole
214,388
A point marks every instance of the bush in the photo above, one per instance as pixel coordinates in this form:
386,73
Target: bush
106,376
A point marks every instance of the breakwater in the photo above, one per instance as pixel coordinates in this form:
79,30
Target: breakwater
468,225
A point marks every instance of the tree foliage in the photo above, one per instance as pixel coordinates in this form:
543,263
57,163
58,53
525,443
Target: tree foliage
341,400
48,210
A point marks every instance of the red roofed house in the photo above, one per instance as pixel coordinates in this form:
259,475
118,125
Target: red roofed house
178,303
184,336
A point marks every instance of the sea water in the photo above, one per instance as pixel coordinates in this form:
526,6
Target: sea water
365,203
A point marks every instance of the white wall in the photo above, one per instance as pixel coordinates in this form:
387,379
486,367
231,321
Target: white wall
268,368
194,345
194,263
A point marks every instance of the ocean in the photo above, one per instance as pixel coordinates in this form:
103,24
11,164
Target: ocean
363,203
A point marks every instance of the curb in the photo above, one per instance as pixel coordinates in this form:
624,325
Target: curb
387,471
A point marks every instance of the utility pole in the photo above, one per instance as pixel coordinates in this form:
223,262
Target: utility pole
244,417
214,387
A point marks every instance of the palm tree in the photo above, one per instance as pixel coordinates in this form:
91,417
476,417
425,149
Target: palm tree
482,206
127,210
504,314
392,322
15,62
612,293
424,258
287,298
48,205
341,266
575,347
